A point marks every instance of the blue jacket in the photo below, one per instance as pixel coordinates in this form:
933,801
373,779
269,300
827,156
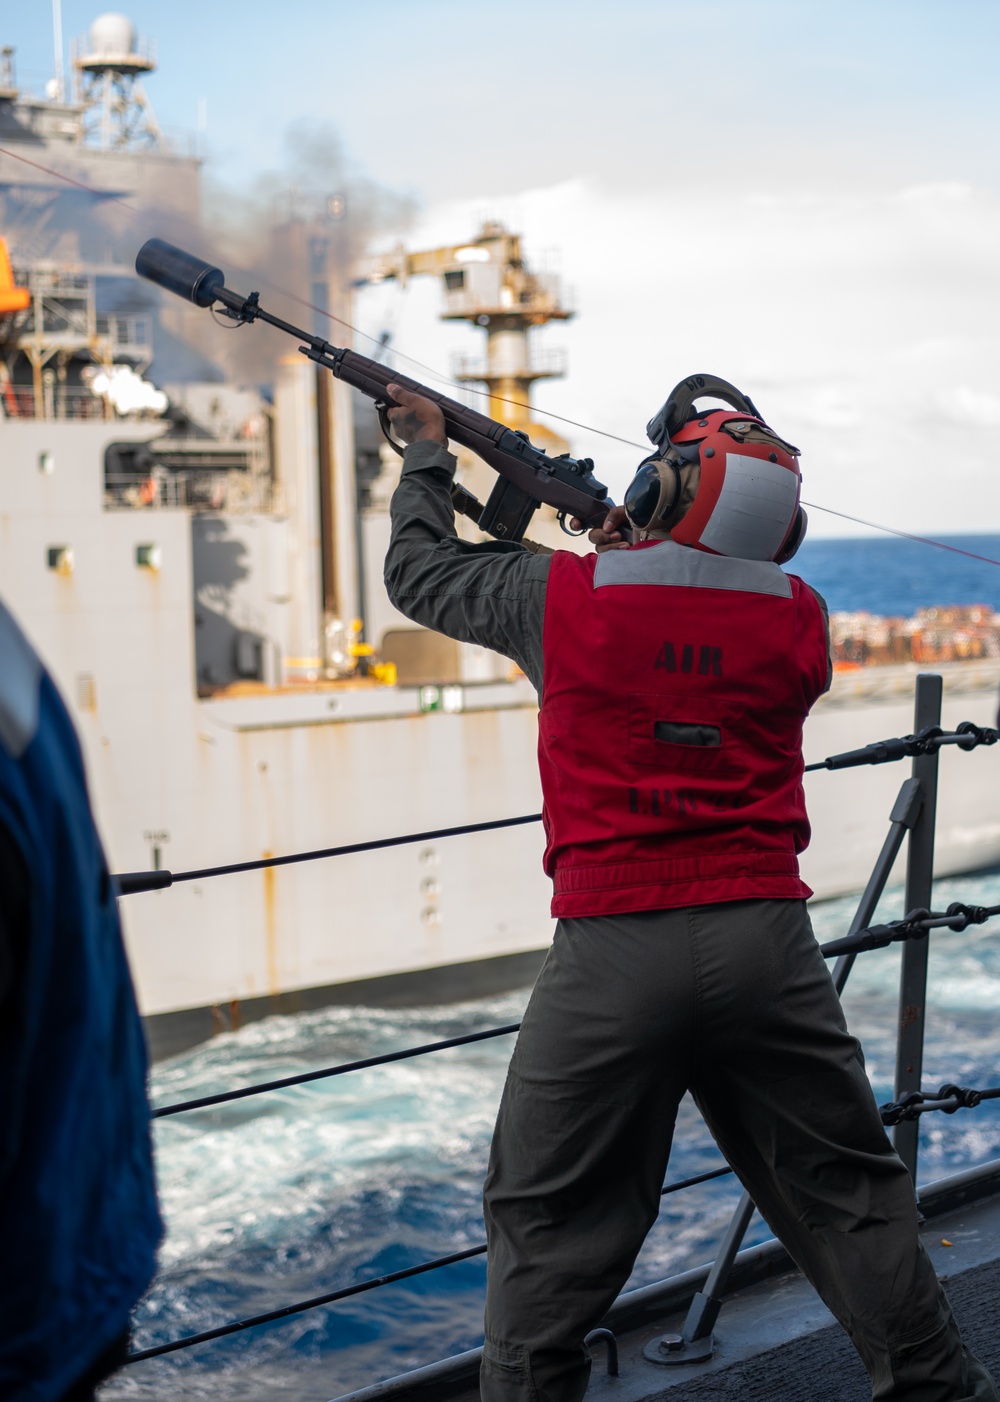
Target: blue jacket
79,1223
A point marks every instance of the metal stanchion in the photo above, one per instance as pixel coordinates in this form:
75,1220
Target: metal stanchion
919,878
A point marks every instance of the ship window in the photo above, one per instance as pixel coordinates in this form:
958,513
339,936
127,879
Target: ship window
454,281
60,559
248,655
147,556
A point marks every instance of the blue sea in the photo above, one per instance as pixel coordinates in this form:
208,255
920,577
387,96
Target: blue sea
289,1195
895,577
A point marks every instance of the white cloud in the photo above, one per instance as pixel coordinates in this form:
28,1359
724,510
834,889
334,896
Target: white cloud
956,191
856,319
970,407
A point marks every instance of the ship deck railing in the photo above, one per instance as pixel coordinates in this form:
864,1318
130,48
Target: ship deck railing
56,401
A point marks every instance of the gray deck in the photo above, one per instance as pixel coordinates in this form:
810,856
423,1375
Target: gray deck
821,1365
779,1341
775,1339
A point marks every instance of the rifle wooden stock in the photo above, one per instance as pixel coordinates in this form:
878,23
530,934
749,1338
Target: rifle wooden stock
566,483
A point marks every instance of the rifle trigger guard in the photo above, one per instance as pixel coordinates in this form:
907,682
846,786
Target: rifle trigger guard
561,518
383,423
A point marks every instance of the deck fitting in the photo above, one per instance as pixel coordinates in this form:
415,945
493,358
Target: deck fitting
674,1349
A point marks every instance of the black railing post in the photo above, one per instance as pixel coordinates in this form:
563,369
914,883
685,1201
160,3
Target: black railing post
696,1341
919,879
905,812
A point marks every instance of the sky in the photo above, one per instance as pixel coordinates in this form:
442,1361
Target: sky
802,196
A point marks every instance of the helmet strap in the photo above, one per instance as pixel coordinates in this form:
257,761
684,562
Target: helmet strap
679,406
795,537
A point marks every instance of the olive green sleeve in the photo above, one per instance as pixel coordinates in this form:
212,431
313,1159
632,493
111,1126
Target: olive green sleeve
491,593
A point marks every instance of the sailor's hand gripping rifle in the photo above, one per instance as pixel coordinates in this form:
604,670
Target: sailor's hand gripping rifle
528,476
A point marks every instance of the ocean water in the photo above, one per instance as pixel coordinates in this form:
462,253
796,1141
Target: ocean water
890,576
302,1191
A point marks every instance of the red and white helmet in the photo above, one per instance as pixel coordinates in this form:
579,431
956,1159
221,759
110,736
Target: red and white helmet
746,489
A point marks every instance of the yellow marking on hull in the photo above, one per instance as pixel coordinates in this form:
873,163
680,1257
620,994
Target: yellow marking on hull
270,926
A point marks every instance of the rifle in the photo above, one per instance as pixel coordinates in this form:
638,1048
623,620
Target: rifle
528,476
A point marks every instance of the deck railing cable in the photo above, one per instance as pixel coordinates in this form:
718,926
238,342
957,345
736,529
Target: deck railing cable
129,882
375,1283
949,1099
301,1305
928,741
912,926
967,737
306,1076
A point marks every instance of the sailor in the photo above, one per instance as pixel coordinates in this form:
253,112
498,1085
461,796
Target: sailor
78,1216
674,676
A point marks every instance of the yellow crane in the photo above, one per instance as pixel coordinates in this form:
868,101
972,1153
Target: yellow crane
488,284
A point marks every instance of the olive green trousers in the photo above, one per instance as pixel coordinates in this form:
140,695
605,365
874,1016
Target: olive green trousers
735,1003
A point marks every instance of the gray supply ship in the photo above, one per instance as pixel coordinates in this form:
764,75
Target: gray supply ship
199,563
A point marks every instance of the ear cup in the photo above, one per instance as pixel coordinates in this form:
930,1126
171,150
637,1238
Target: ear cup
652,494
795,537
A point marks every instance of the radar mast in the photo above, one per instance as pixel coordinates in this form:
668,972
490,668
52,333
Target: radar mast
108,63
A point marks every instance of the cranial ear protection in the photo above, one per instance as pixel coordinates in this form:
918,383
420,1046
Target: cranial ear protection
747,500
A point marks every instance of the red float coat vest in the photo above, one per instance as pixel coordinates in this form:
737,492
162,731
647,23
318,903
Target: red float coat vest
670,734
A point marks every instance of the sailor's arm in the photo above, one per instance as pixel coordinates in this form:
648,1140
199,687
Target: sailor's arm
491,593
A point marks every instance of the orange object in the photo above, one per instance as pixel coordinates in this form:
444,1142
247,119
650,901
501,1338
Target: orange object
12,298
